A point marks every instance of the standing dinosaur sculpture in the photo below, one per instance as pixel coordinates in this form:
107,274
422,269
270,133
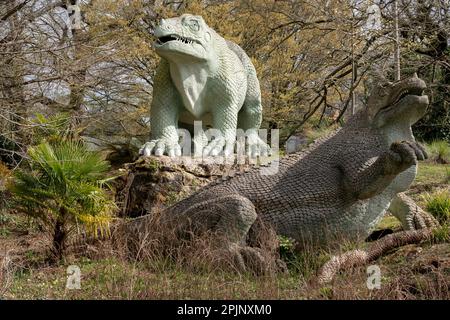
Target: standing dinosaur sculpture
343,184
202,76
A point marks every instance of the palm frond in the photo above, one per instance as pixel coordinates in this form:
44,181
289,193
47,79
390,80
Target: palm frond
67,178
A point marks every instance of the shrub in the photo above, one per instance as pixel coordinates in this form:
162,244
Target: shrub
64,189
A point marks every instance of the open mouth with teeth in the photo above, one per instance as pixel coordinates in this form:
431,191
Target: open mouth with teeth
404,93
415,91
172,37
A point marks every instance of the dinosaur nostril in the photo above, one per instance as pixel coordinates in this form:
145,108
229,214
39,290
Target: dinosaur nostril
164,25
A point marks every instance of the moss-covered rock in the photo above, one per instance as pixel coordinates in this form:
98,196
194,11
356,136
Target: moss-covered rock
152,183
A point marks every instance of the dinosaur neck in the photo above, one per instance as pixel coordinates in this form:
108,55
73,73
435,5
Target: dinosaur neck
190,79
395,132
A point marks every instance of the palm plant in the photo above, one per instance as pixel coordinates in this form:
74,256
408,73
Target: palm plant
64,189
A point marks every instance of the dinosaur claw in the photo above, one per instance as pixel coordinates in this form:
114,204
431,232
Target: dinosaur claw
177,151
159,152
404,154
160,147
147,149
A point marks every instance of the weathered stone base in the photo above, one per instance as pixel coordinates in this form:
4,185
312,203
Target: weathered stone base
153,183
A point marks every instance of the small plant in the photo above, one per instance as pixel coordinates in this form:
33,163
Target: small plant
326,292
438,204
286,248
439,151
64,189
4,219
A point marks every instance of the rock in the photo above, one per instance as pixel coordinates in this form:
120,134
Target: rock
295,143
153,183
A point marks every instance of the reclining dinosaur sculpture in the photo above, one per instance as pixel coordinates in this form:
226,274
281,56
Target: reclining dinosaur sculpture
343,184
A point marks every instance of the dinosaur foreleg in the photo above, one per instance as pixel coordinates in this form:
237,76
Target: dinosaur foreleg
410,214
249,120
374,179
166,106
225,123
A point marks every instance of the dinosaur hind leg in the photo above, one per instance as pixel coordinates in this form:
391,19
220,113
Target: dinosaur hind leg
230,217
410,214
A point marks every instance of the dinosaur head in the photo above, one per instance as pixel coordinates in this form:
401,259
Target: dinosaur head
399,102
186,36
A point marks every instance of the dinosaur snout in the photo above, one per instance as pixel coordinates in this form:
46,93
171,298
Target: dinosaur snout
165,27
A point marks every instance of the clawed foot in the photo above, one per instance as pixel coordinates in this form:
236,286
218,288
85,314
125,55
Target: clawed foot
410,214
405,154
257,147
218,146
248,259
420,219
160,147
419,150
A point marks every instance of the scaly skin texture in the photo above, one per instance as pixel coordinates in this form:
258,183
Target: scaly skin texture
202,74
341,185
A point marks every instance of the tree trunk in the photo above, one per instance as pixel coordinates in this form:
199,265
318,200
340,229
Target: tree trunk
397,44
60,236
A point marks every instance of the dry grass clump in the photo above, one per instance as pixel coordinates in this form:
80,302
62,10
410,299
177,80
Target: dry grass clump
6,273
162,245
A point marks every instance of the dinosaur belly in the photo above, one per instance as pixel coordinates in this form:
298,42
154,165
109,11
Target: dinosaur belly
365,215
404,180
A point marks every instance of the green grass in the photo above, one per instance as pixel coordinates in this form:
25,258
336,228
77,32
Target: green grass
438,204
439,151
389,222
442,233
117,279
429,173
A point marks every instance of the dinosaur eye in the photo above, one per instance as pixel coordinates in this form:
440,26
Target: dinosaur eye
193,24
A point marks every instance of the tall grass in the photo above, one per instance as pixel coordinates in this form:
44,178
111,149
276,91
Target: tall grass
439,151
438,204
6,274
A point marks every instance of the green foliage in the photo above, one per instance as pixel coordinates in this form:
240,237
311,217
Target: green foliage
442,233
4,176
316,133
286,247
64,188
326,292
439,151
304,262
152,165
52,128
438,204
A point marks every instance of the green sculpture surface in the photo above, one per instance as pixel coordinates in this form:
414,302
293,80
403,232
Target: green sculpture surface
202,76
